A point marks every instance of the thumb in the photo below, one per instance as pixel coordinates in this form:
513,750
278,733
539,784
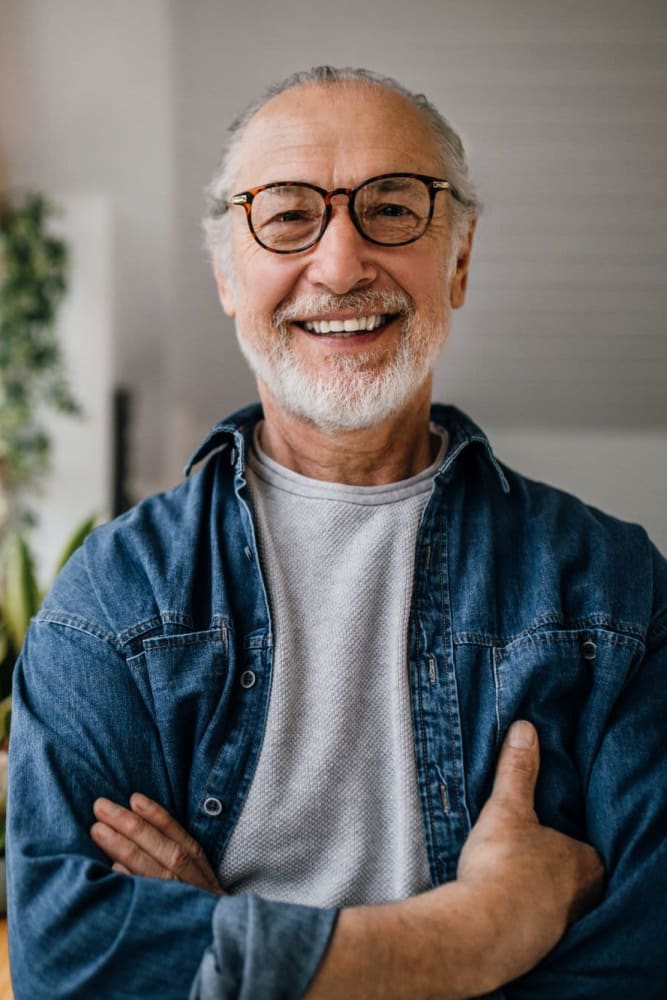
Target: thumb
517,770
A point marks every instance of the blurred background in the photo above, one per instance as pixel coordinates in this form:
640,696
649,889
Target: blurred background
118,111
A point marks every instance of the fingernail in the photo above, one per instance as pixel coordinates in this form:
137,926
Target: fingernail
139,801
521,735
105,806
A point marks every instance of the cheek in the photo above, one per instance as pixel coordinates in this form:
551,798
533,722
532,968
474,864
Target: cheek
264,282
427,282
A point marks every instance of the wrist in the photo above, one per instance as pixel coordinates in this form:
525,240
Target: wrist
514,927
439,945
475,919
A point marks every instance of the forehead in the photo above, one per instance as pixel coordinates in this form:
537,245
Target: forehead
335,135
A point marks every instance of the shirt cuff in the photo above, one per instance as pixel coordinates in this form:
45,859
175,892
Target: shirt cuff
262,949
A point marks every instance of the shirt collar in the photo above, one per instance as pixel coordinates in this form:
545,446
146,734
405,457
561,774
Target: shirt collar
464,432
235,433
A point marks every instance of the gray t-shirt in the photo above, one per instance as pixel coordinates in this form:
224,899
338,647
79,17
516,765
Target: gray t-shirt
333,814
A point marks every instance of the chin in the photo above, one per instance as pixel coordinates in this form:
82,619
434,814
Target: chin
354,392
349,396
342,404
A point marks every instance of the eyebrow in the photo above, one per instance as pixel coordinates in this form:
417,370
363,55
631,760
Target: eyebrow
394,183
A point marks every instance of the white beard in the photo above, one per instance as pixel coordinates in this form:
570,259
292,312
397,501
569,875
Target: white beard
349,392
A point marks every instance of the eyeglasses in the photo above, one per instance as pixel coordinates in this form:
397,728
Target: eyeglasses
390,210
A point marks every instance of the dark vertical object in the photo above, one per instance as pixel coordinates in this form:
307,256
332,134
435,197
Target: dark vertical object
122,417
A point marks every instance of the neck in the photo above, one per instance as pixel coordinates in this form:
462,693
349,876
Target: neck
396,448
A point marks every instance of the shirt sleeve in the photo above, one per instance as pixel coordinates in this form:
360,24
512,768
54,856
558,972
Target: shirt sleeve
618,950
262,949
78,929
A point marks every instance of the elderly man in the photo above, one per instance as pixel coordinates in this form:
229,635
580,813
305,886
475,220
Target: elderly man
282,691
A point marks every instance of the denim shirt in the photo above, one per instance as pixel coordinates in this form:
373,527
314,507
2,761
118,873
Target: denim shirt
148,669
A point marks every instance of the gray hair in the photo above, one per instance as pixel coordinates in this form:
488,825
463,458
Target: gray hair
216,222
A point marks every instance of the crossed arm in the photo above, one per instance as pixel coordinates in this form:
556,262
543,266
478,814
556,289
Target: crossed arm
518,886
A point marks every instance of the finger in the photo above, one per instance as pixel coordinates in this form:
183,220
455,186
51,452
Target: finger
125,853
130,858
170,855
147,851
161,820
517,770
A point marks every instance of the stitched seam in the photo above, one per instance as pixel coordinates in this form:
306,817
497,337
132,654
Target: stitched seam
558,626
189,639
79,624
142,630
154,623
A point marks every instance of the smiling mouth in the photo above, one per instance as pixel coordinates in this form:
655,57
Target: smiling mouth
346,327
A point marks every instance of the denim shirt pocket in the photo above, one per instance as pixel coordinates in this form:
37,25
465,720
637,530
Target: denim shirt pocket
185,680
566,683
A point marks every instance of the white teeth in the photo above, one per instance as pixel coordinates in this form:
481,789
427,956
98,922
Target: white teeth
344,326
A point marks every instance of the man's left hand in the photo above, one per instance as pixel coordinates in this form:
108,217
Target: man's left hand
146,840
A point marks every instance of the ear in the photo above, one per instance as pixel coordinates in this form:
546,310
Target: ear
459,283
225,293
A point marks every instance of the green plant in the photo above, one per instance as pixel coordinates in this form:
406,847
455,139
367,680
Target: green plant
33,281
20,597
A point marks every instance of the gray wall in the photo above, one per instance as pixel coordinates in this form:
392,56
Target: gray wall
562,106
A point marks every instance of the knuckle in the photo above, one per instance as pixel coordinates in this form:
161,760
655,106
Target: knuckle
133,825
132,857
197,851
520,761
179,859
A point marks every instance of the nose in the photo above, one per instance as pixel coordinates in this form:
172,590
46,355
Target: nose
342,260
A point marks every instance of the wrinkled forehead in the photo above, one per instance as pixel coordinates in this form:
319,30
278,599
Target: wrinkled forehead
335,135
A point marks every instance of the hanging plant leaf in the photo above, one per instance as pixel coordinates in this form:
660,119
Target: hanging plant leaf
21,592
33,281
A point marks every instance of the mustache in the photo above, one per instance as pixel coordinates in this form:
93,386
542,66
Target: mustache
363,302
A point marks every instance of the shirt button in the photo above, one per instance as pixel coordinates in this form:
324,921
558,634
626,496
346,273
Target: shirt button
589,649
247,679
212,807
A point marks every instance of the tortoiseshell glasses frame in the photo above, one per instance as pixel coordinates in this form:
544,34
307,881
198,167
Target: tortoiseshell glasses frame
431,185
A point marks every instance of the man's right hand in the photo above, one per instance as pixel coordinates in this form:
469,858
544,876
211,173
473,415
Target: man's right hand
518,886
541,878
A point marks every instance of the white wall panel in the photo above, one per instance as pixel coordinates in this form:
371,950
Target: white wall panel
80,482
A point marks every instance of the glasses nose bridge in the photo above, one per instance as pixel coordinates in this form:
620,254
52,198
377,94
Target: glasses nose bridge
328,203
330,195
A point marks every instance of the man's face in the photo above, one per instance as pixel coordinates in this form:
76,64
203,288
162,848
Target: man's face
338,136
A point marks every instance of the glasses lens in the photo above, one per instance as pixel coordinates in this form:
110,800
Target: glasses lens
288,216
393,210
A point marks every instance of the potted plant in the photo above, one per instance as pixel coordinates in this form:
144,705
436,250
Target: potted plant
33,281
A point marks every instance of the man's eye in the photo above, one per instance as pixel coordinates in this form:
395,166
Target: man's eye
389,210
285,216
292,219
290,215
